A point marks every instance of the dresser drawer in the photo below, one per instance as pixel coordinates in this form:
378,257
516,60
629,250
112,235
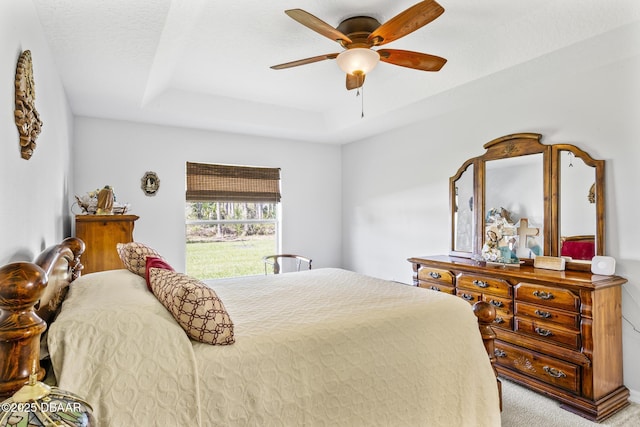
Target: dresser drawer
548,332
444,277
564,318
504,310
503,320
504,305
437,287
484,284
470,296
548,296
544,368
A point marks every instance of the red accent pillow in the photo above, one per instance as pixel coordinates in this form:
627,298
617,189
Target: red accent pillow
578,249
155,262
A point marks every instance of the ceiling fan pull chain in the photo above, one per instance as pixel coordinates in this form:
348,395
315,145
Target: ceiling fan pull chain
362,104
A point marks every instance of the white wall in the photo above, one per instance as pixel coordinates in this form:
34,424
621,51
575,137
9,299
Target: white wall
34,206
118,153
395,185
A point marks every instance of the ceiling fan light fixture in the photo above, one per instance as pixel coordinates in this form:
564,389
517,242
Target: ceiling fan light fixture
358,60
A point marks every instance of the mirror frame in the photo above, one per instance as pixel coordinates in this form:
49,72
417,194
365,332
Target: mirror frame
453,209
598,166
522,144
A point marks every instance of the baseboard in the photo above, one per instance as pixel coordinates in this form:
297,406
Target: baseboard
634,396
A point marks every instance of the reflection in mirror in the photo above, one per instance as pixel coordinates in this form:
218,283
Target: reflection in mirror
463,212
577,207
514,201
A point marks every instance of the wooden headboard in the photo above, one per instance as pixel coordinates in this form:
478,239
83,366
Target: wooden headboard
30,295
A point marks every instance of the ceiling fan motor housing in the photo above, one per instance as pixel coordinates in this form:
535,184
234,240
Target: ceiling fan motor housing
358,29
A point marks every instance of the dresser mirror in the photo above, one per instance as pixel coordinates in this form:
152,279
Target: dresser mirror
580,201
546,200
514,191
463,212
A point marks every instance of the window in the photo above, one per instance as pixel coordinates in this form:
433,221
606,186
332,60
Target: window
232,219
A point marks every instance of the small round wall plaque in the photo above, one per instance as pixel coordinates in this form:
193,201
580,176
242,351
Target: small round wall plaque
150,183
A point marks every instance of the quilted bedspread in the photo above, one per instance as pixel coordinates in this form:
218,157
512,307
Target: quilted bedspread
325,347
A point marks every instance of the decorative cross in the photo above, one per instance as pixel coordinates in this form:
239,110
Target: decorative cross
523,232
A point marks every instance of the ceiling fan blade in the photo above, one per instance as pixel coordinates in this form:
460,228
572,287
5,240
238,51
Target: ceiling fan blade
416,60
304,61
406,22
355,81
317,25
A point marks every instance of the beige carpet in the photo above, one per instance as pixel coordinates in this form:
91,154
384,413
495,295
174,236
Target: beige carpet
522,407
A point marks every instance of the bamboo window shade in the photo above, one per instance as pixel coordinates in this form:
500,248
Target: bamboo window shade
209,182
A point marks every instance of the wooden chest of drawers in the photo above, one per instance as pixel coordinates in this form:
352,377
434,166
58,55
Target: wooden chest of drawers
100,234
558,332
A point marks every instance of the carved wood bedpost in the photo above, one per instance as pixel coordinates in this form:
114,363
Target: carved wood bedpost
22,286
486,314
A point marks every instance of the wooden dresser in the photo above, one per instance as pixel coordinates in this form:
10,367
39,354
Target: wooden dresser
558,332
101,233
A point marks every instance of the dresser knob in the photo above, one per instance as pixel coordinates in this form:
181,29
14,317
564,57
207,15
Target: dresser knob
499,353
555,373
544,314
496,303
498,320
480,284
543,295
467,297
434,275
435,288
543,332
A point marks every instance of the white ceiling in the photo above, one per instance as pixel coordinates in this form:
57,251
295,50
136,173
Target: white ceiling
205,63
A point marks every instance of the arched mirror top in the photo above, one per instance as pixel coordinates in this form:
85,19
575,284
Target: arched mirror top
519,144
462,170
530,191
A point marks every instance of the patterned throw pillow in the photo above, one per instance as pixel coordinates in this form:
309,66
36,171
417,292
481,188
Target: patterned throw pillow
134,256
194,305
155,262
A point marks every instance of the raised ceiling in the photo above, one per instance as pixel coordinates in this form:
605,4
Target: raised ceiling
205,64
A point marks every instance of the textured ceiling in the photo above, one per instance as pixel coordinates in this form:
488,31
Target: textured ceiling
205,64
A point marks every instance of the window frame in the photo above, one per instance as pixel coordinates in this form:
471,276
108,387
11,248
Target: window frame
221,183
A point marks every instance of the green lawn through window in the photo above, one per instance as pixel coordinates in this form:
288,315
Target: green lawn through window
231,258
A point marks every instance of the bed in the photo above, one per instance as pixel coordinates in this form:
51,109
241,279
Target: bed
320,347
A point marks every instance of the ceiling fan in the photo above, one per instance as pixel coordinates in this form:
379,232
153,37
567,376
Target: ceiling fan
360,33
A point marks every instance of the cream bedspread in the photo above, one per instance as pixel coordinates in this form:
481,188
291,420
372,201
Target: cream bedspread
323,347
